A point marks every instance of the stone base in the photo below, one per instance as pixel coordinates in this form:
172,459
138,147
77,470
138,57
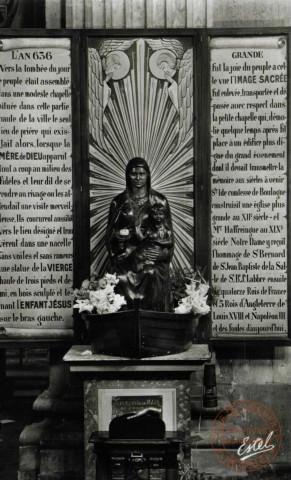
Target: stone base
207,467
27,475
204,461
29,450
61,463
52,449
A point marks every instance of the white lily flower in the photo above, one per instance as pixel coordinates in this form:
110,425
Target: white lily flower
85,284
118,301
111,278
102,283
196,299
182,308
203,289
84,306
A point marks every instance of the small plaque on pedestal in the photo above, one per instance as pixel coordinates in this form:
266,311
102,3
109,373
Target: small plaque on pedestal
124,404
134,400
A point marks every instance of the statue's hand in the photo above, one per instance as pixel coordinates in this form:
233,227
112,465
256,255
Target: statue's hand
139,233
122,235
126,253
164,254
122,256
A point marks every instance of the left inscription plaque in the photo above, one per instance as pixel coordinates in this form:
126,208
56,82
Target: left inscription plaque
36,246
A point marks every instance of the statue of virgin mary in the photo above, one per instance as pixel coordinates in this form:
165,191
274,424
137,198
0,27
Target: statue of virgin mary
140,240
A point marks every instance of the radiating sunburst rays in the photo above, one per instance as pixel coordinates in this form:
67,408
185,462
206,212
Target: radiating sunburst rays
140,120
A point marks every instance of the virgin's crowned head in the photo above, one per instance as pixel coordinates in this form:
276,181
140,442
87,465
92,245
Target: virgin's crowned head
140,164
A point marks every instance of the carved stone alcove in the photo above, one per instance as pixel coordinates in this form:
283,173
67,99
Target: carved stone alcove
140,104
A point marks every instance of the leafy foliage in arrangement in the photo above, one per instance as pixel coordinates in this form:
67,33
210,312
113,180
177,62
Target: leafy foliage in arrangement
191,292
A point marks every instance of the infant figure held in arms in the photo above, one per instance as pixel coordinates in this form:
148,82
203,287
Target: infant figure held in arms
157,240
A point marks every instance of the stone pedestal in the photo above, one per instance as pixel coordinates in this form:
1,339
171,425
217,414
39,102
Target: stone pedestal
117,383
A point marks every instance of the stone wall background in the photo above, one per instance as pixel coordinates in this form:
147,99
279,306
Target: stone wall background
167,13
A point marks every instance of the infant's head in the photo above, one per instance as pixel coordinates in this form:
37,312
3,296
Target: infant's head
158,213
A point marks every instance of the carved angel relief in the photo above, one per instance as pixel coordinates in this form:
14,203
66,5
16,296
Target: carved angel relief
167,61
115,64
140,103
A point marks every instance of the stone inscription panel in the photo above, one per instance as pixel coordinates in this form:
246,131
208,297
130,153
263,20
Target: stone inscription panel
36,183
249,185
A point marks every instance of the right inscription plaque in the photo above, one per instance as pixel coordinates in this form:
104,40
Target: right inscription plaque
248,82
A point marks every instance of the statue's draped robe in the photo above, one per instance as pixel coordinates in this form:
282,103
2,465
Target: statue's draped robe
128,222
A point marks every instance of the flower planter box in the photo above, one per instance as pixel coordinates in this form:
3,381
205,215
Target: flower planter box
141,333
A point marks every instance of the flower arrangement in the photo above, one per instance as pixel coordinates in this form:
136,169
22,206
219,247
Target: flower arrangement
191,292
97,295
